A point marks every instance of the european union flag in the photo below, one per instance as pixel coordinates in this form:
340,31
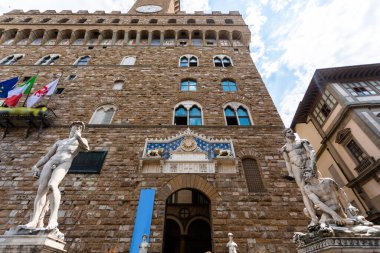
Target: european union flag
6,86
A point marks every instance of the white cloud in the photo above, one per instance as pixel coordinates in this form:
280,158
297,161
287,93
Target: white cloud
316,35
195,5
255,20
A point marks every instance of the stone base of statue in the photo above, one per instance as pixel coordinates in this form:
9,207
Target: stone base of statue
332,238
28,240
343,245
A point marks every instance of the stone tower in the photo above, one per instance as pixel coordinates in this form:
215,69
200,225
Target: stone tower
173,104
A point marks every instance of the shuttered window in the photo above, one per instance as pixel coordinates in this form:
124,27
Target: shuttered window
253,176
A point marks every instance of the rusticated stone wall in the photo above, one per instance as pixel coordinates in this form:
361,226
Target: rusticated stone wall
97,211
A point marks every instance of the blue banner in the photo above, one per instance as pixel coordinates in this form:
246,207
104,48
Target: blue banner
143,218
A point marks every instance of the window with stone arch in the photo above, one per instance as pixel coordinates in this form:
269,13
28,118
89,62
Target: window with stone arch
11,59
188,60
188,113
49,59
83,60
128,61
188,85
229,85
253,175
103,115
222,61
237,114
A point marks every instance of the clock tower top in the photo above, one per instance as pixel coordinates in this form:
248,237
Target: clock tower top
155,6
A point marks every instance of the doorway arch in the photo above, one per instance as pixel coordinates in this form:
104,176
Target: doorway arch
187,226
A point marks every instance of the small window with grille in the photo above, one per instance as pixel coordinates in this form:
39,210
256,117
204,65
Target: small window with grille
253,175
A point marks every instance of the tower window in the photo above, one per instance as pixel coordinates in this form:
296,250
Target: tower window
45,20
11,59
172,21
62,21
82,60
223,61
115,21
210,21
236,114
7,20
48,59
128,61
191,21
188,61
71,77
100,20
153,21
134,21
229,85
229,21
118,85
27,20
82,20
188,85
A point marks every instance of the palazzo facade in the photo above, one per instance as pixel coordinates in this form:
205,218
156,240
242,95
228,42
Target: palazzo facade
172,102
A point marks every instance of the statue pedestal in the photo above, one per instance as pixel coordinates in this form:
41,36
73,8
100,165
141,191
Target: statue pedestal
343,245
25,240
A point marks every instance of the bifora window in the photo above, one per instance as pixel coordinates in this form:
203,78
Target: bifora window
103,115
229,85
223,61
188,114
188,85
324,107
188,61
11,59
48,59
362,88
237,116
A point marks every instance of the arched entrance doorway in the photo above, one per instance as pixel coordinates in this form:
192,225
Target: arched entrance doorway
187,223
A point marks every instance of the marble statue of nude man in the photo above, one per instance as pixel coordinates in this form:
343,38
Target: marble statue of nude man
298,155
331,200
231,245
56,164
144,245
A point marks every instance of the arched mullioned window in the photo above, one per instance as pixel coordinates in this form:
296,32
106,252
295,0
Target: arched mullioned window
103,115
49,59
188,113
11,59
82,60
237,114
253,175
188,85
223,61
229,85
188,61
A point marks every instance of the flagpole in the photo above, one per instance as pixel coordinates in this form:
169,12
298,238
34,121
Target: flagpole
26,99
54,90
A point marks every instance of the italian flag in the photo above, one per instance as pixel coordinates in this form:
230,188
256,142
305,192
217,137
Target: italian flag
46,90
15,94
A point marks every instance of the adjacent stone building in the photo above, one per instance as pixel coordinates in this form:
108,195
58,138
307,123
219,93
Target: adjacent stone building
172,102
340,116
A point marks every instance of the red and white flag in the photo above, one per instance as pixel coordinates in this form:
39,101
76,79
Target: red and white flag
46,90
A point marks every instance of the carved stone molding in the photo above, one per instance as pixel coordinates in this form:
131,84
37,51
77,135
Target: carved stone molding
343,136
347,244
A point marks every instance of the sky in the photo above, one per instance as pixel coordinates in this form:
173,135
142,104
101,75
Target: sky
290,38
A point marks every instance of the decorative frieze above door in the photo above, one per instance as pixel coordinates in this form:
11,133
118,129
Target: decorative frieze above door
188,152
